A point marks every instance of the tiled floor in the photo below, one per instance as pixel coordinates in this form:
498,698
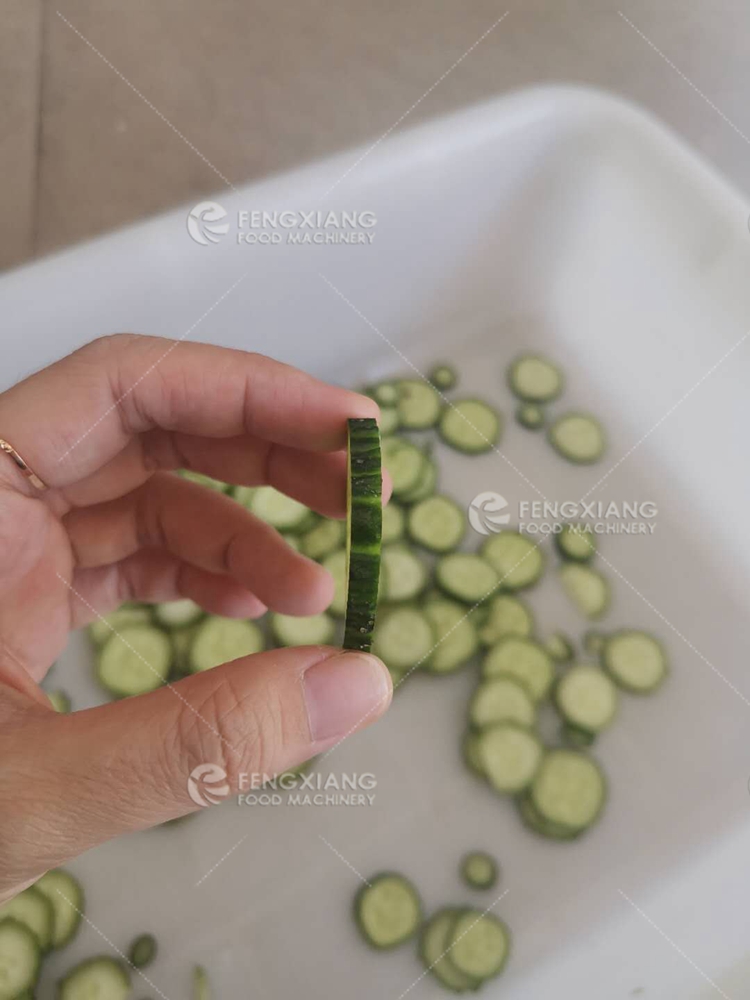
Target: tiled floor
248,87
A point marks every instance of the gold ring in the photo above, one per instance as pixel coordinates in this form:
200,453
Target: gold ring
29,473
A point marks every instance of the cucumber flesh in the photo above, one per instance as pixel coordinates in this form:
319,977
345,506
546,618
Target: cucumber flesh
578,437
389,421
455,637
530,416
568,790
523,659
336,563
405,464
177,614
635,661
34,910
221,640
480,944
574,542
394,523
278,510
586,588
385,394
310,630
404,638
437,524
405,575
103,978
128,614
433,948
519,561
425,485
443,377
135,661
388,910
418,404
501,700
466,576
586,698
20,958
66,896
471,426
479,870
506,615
535,379
470,751
510,755
364,526
559,647
322,539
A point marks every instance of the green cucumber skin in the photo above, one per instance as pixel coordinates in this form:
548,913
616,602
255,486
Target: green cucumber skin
365,527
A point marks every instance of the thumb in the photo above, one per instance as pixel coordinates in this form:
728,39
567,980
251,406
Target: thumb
124,766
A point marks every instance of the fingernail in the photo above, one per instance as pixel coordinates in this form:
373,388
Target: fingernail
345,692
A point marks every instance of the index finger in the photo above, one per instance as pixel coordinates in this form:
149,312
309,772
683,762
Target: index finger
71,418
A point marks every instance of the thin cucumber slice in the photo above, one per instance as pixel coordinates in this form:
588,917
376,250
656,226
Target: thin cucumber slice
405,464
182,640
470,426
33,909
479,870
102,978
574,542
208,481
569,789
404,638
433,948
443,377
506,615
336,564
438,524
470,752
142,951
135,661
60,701
322,539
394,523
385,394
534,821
279,510
456,638
201,984
389,421
177,614
388,910
578,437
559,647
418,404
525,660
480,944
501,700
530,416
535,379
593,642
128,614
66,896
364,525
221,640
405,575
586,698
518,561
425,486
311,630
466,576
20,958
635,660
510,755
586,588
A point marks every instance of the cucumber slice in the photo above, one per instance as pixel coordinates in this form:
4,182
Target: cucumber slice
470,426
559,647
32,909
405,576
181,640
433,948
60,701
479,870
518,561
322,539
388,910
389,421
455,637
135,661
394,523
443,377
66,896
103,978
336,563
470,752
510,755
506,615
385,394
586,588
574,542
569,790
404,638
466,576
243,495
201,480
530,416
438,524
279,510
20,958
426,484
177,614
128,614
220,640
535,379
311,630
578,437
405,464
501,700
533,821
418,404
635,660
201,984
480,944
586,698
593,642
523,659
364,525
142,951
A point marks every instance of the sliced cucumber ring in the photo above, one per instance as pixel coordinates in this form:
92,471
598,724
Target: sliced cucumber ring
221,640
364,525
310,630
479,870
135,661
507,615
501,700
323,538
523,659
404,576
443,377
404,638
569,790
177,614
418,404
128,614
455,637
578,437
518,561
66,896
388,910
530,416
586,588
425,486
466,576
34,910
437,523
102,977
433,948
470,426
142,951
394,523
405,464
575,543
20,958
535,379
586,698
635,660
480,945
510,755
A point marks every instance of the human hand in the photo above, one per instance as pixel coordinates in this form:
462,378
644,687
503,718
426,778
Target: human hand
103,428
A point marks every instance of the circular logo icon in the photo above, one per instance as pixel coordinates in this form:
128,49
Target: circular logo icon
204,223
207,785
485,513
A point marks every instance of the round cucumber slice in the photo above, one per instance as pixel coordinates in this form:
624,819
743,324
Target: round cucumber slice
506,615
322,539
510,755
394,523
103,977
575,543
466,576
311,630
455,637
433,948
20,958
523,659
404,638
221,640
404,574
535,379
479,946
586,588
443,377
569,789
530,416
66,896
388,910
33,909
437,523
501,700
418,404
135,661
586,698
277,509
578,437
635,660
405,464
519,561
471,426
479,870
